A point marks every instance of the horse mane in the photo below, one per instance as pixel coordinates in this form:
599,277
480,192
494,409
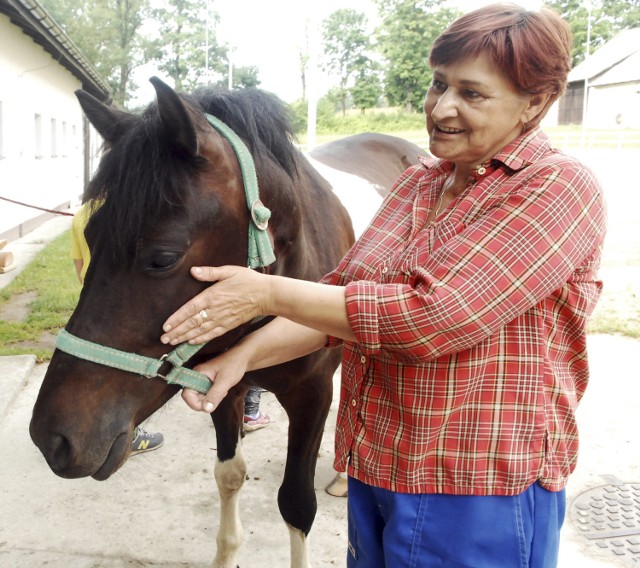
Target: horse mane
143,177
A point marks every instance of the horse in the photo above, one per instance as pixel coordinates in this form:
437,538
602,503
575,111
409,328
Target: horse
177,188
376,158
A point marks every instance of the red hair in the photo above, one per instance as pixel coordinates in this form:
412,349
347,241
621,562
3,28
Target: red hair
532,49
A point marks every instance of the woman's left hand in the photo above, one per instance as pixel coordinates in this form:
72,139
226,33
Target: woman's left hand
239,295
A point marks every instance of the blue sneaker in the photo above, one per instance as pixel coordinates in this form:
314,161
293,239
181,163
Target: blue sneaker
144,441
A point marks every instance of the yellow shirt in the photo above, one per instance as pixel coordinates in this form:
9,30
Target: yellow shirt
79,246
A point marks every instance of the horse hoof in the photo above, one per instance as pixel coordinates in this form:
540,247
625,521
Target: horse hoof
338,486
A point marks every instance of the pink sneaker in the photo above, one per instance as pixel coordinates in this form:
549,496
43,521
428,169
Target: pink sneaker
261,421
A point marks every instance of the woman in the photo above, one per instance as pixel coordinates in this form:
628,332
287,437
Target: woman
462,310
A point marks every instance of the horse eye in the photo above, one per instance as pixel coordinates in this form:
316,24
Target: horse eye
163,260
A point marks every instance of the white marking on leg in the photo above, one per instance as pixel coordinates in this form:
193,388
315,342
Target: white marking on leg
299,548
230,476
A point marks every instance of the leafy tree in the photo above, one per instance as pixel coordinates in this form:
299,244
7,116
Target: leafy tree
608,17
345,44
108,32
180,49
408,30
367,88
244,77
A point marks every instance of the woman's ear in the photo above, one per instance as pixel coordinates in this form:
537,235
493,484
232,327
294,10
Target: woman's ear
536,110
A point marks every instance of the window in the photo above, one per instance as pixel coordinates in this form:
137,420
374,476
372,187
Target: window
38,138
63,141
54,138
1,133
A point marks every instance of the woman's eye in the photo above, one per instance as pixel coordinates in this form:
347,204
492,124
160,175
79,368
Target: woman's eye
471,94
438,86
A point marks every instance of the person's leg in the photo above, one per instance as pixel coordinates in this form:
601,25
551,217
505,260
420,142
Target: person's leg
365,526
548,516
423,531
252,402
254,419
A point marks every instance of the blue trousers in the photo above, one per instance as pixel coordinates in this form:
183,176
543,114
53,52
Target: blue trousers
398,530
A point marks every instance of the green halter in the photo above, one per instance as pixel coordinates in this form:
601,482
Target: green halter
260,254
260,249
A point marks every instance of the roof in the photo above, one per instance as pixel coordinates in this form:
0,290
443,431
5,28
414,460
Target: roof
613,54
36,22
626,71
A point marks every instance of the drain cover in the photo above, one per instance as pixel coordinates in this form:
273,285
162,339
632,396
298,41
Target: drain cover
610,517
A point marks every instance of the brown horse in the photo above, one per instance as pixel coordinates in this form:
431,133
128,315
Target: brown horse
174,193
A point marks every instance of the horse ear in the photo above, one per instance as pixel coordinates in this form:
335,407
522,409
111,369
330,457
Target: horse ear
179,118
110,122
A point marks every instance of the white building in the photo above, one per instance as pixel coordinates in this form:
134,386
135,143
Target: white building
46,146
612,76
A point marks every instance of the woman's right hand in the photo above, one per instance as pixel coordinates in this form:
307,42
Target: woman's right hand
224,372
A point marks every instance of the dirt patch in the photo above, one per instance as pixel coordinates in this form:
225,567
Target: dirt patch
18,308
46,341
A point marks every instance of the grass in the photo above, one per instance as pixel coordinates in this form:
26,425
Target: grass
51,279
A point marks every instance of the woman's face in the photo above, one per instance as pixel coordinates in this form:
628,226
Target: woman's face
473,111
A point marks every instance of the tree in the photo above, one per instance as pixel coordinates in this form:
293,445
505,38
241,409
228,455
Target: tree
108,32
180,49
345,44
244,77
408,30
608,17
367,87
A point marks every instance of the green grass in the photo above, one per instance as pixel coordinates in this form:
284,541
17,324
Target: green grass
51,278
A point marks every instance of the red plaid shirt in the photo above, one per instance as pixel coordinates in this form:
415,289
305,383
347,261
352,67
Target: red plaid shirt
470,356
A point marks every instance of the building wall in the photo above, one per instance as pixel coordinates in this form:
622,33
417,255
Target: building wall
614,106
41,131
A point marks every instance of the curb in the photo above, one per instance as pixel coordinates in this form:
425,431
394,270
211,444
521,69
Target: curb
14,371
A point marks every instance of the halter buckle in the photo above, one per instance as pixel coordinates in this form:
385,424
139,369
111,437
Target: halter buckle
262,225
166,367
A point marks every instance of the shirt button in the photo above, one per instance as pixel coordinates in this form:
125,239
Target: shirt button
384,270
353,402
482,170
363,359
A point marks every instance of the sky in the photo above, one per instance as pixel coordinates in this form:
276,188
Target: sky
270,35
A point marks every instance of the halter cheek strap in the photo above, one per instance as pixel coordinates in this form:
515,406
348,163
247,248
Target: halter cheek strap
260,249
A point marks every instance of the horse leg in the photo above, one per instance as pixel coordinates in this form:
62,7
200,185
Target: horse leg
230,474
307,407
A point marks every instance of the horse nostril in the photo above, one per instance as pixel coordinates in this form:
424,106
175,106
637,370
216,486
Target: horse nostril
58,452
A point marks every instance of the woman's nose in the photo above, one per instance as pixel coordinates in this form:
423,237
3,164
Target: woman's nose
445,106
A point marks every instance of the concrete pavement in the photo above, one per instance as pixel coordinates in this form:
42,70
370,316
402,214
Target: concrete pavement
161,508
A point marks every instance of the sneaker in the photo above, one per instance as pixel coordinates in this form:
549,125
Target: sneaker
144,441
251,424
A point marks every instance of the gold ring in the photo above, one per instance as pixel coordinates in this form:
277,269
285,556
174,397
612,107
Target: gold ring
204,315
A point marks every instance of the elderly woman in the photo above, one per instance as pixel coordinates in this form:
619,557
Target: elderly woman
462,310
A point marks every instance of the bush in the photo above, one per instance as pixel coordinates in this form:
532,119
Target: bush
329,121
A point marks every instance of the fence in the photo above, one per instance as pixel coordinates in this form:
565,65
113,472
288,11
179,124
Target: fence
560,138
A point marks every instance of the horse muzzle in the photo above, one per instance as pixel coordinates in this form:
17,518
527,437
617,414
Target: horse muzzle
72,457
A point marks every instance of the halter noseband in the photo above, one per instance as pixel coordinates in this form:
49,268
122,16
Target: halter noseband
260,254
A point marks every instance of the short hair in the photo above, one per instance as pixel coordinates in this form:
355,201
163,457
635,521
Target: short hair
532,49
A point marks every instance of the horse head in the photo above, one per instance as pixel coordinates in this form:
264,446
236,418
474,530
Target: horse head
170,195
